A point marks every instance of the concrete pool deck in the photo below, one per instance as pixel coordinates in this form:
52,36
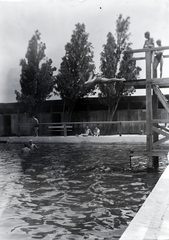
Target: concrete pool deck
133,139
152,220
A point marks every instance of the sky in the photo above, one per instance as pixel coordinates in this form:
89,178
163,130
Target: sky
56,20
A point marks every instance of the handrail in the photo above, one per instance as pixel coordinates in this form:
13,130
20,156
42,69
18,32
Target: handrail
143,58
103,122
147,49
160,121
161,82
95,122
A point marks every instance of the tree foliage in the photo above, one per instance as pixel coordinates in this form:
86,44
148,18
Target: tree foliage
36,81
116,63
75,68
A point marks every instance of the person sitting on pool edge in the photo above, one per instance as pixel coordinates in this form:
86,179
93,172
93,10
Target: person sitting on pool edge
96,132
87,132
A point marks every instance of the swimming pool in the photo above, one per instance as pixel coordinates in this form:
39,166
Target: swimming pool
70,191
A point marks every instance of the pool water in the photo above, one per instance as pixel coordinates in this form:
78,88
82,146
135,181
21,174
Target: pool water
70,191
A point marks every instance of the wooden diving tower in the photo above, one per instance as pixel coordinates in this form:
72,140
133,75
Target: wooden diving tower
153,95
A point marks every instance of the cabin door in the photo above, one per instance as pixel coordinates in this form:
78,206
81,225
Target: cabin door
7,125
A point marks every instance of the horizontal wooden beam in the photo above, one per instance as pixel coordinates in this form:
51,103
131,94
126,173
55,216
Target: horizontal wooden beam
160,153
141,83
107,122
143,58
160,121
147,49
156,152
58,127
95,122
160,81
137,58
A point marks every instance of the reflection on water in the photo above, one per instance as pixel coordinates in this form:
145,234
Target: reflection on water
70,191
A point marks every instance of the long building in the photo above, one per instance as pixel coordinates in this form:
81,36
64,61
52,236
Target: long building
15,121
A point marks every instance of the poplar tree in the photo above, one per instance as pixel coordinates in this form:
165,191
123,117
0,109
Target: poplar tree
74,70
36,79
116,63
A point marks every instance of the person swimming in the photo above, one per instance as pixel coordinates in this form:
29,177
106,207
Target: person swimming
31,145
26,150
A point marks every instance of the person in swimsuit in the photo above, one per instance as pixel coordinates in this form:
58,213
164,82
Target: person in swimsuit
96,132
92,81
31,145
149,42
35,126
26,150
87,132
158,59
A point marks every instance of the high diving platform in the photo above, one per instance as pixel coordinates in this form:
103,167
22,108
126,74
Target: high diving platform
152,220
155,126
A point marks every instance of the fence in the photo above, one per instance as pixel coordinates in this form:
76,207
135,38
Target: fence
130,121
106,128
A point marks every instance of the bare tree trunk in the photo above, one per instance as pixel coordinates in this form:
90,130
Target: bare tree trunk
115,108
70,111
111,112
64,110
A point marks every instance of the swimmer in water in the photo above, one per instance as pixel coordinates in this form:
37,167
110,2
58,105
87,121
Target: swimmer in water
26,150
32,145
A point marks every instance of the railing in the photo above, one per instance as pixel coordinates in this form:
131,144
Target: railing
141,83
73,128
148,49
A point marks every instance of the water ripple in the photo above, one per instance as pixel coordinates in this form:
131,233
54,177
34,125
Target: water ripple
70,191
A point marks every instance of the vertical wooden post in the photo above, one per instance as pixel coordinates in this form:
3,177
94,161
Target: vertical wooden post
120,129
149,111
155,116
18,112
64,128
